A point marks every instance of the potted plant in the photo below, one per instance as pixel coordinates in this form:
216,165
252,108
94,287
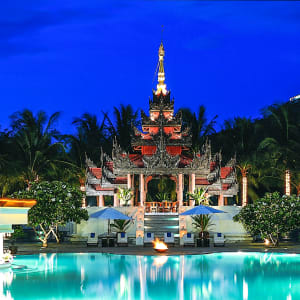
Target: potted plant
125,195
199,195
18,233
203,223
162,196
121,225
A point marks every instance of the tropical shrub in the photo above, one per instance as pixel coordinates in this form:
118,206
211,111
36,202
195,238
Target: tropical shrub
57,204
271,216
202,223
121,225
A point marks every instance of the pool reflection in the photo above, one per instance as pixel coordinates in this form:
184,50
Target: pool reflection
103,276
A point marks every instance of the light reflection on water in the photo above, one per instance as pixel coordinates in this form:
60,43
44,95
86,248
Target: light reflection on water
104,276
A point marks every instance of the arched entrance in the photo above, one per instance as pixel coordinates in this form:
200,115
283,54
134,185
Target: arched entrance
161,188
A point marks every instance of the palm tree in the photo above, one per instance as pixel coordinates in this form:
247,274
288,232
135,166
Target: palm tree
121,225
282,140
203,223
237,137
296,182
199,124
38,144
90,137
122,128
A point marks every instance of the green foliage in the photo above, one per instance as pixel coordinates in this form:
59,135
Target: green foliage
161,196
31,149
199,196
124,195
200,127
202,222
121,225
162,189
271,216
18,233
36,142
91,135
125,118
57,204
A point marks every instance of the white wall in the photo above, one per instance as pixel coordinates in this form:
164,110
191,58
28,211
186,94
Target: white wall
13,215
223,222
99,226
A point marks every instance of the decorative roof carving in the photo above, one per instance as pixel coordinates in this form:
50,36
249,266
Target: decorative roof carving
231,162
136,131
161,101
198,162
161,158
120,158
89,163
213,175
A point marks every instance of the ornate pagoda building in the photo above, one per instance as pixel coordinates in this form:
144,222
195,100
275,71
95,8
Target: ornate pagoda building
161,148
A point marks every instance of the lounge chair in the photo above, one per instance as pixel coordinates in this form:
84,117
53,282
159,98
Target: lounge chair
188,239
92,239
169,238
219,239
148,238
122,239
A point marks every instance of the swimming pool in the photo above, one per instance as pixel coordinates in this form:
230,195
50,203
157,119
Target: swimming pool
105,276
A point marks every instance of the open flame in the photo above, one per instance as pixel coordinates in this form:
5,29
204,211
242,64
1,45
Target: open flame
159,246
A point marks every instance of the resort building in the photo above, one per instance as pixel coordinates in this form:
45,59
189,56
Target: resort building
161,149
12,212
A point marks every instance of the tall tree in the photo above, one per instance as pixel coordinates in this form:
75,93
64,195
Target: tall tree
125,118
282,141
38,148
199,124
90,137
57,204
237,137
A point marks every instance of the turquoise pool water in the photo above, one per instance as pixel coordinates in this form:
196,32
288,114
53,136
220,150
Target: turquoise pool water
98,276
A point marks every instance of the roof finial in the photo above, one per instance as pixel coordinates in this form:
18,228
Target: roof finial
161,86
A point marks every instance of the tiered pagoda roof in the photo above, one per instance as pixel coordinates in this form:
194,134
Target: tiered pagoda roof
163,148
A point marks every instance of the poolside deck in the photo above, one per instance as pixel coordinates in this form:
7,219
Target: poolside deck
34,248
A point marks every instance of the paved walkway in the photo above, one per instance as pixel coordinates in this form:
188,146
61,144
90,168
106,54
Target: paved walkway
33,248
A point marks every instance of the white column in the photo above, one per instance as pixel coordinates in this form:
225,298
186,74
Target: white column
192,184
116,200
244,190
101,200
221,200
180,189
142,189
129,181
129,186
288,182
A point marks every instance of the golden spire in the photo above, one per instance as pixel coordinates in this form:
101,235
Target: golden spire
161,86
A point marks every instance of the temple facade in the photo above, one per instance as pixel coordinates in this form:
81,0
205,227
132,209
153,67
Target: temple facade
162,148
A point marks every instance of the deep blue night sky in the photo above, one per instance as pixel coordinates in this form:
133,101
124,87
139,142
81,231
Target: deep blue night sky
88,56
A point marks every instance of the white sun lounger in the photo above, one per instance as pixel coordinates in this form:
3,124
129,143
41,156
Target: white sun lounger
219,239
92,239
188,239
169,238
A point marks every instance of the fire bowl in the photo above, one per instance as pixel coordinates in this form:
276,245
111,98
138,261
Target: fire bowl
160,250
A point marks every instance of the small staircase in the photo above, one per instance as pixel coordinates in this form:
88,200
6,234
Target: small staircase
159,223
